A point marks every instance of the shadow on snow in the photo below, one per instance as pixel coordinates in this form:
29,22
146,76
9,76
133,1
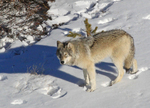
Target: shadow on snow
20,59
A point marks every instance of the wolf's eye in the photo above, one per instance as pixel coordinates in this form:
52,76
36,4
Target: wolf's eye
66,55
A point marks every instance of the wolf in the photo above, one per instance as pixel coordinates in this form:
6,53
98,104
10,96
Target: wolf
85,52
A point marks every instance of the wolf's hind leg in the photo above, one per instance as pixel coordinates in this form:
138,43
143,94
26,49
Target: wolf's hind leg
134,70
131,66
128,63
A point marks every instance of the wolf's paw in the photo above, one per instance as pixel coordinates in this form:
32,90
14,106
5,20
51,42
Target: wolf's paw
128,71
90,90
108,84
112,83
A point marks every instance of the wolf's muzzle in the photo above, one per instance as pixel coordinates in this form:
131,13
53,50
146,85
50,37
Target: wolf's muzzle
62,62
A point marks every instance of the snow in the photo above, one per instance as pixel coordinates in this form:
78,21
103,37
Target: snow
17,101
56,86
3,78
105,21
147,17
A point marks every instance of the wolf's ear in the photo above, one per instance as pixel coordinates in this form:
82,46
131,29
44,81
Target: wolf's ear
59,44
70,45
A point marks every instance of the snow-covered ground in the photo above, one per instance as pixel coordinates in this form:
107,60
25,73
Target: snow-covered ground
58,87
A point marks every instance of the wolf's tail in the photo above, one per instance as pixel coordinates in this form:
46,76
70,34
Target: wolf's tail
130,63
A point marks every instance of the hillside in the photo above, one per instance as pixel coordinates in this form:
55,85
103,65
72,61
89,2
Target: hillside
56,86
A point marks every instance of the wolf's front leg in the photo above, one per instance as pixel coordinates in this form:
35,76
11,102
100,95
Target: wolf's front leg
92,77
86,77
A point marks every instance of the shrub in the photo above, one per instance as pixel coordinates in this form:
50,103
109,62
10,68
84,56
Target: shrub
21,18
36,69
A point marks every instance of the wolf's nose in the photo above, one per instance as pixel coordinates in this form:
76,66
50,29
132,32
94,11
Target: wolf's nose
62,62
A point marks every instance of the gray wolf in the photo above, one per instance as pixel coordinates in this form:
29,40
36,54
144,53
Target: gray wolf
85,52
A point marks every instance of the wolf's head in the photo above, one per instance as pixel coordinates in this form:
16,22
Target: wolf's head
65,52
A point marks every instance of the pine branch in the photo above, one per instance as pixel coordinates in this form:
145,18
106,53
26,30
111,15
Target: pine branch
71,34
94,31
89,30
88,27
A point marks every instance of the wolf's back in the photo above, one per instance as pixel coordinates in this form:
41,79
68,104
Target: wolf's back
112,42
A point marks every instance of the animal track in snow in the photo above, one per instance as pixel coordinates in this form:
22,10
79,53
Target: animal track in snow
53,91
82,3
135,76
3,77
41,84
106,84
18,102
147,17
56,92
116,0
76,30
97,9
65,32
88,9
106,6
107,20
